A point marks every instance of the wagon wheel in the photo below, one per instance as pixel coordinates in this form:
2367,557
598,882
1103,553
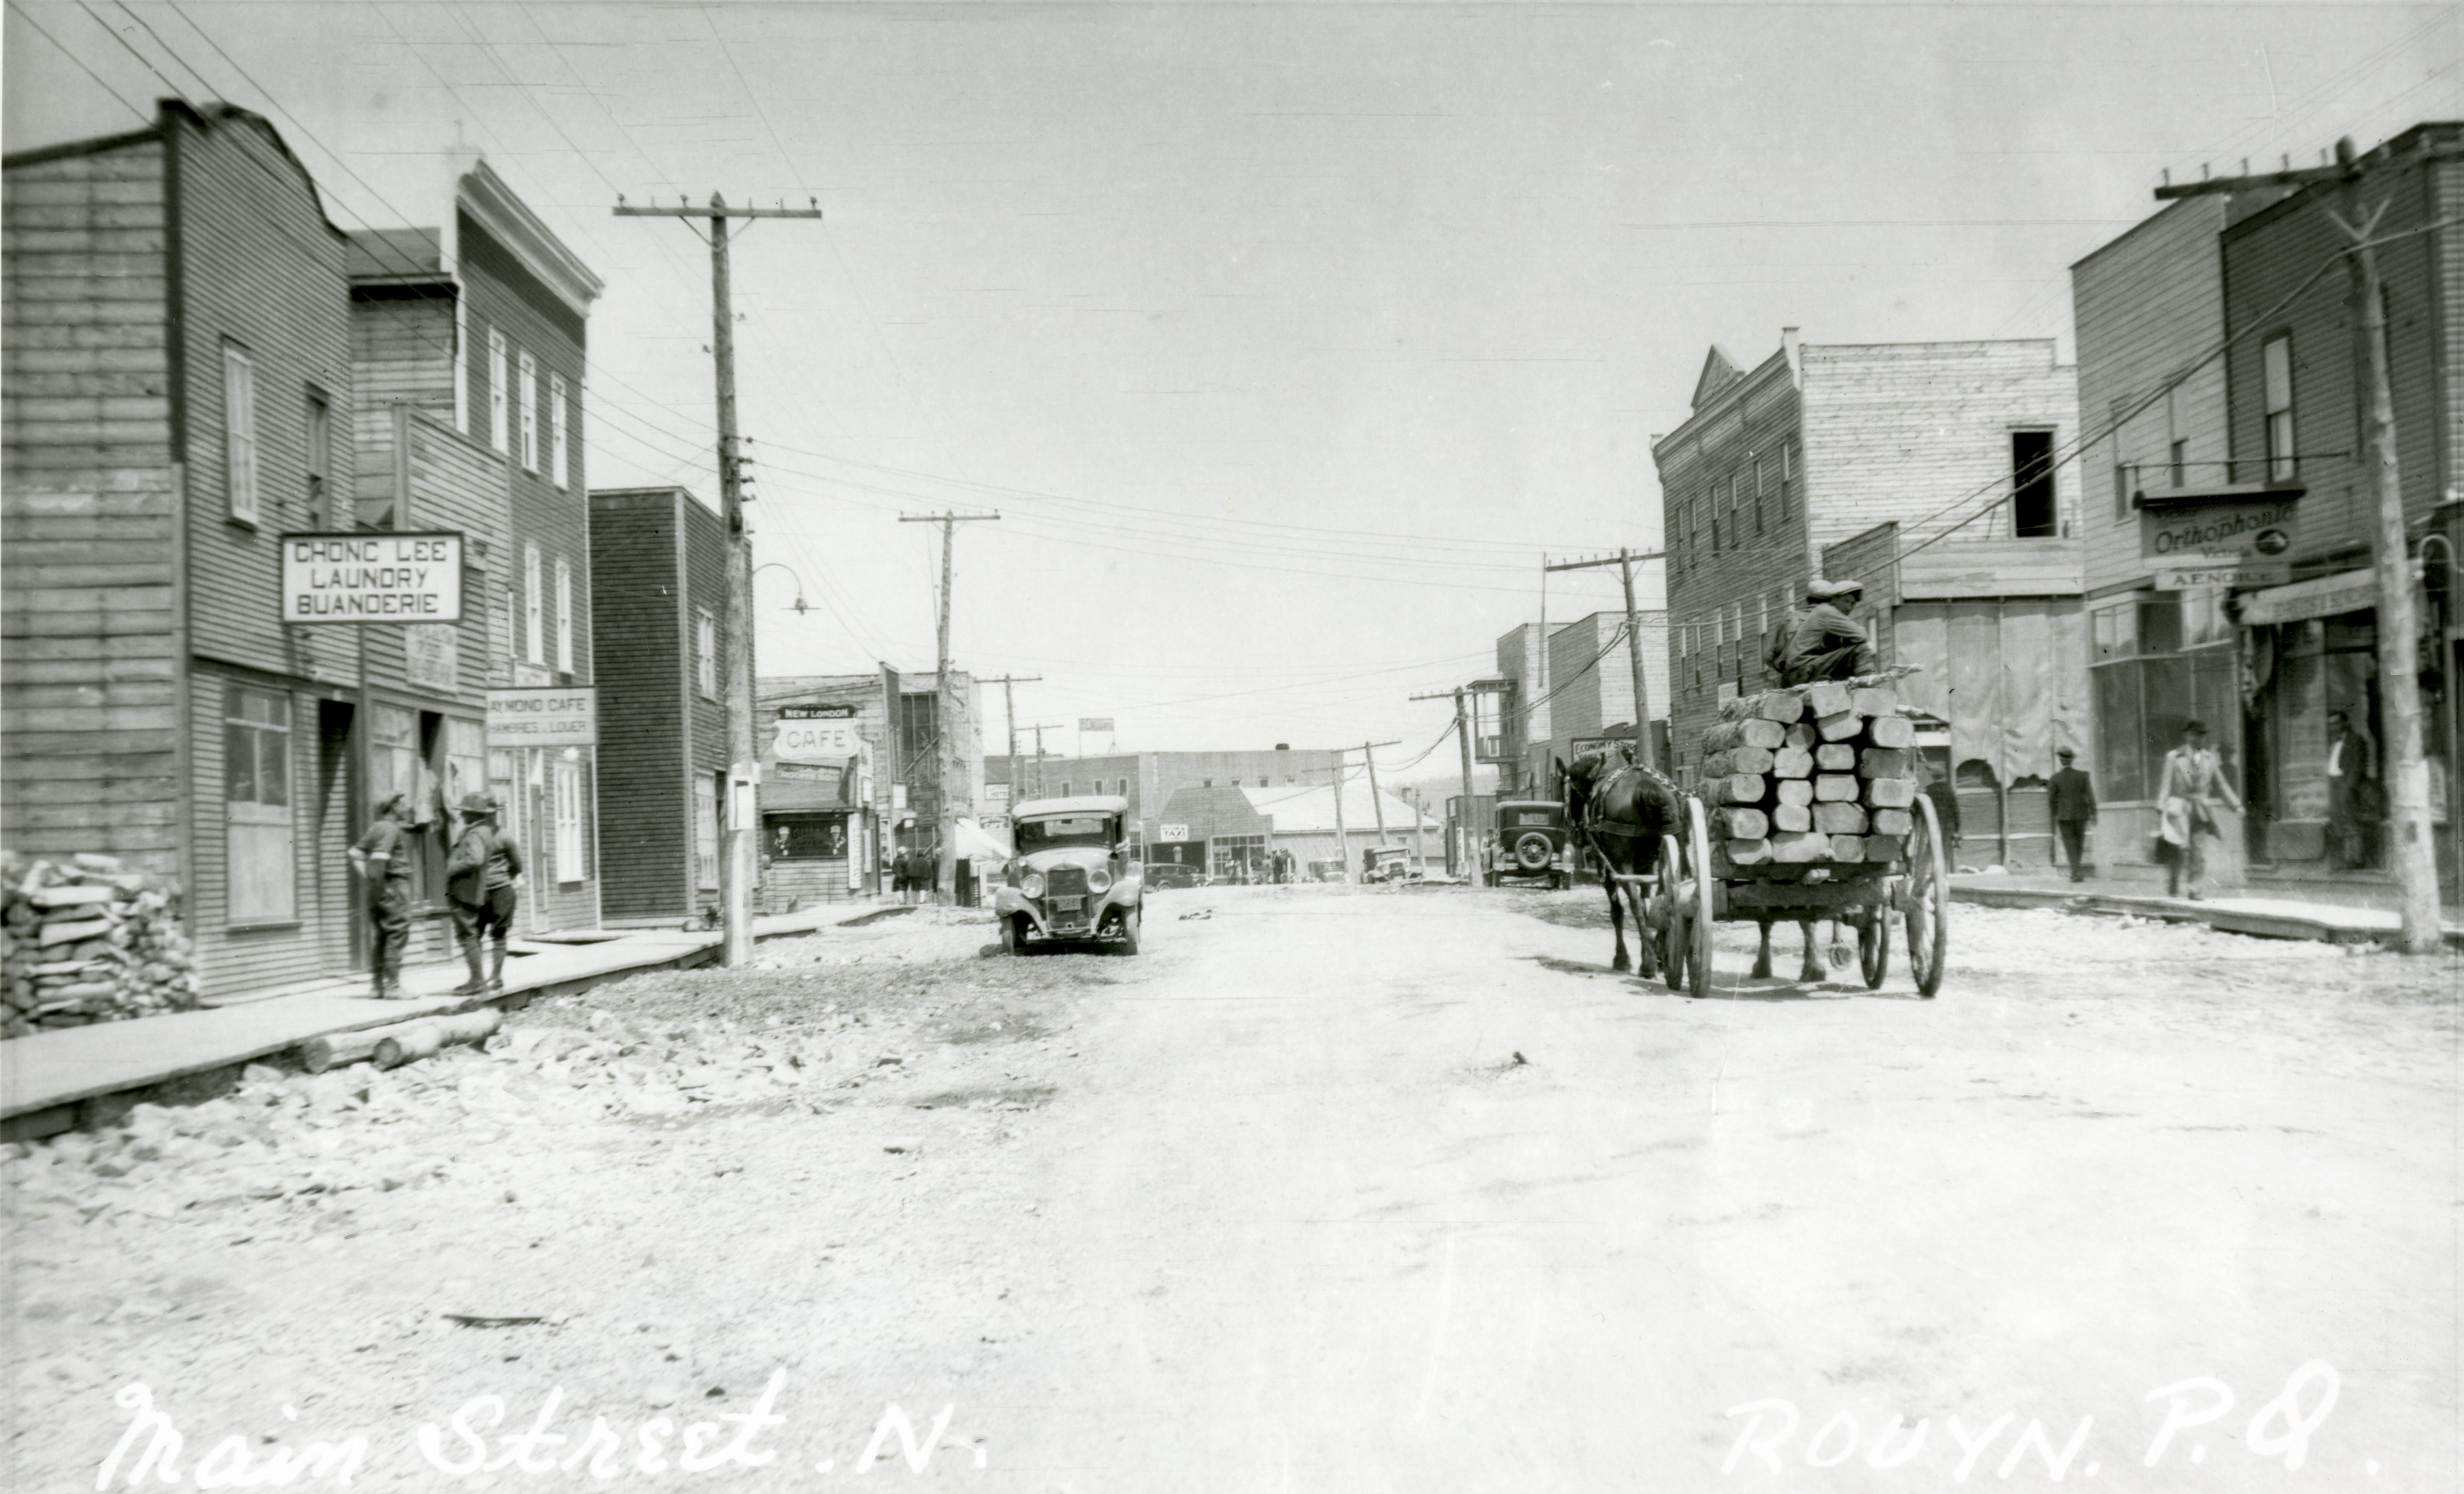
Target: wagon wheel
1666,927
1698,915
1927,898
1874,947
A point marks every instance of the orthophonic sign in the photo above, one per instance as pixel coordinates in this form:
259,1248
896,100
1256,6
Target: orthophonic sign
2202,530
557,717
371,577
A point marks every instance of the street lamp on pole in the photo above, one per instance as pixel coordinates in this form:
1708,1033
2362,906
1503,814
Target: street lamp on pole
777,566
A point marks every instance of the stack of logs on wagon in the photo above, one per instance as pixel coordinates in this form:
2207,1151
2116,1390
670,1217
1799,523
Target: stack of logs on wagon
1823,773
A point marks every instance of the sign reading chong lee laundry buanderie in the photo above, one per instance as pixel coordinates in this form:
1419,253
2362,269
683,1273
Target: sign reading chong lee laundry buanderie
372,578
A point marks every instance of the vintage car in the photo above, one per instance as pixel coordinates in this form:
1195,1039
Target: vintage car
1072,880
1170,874
1389,863
1530,842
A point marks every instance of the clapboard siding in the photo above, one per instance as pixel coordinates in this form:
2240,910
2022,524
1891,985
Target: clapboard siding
2145,306
90,662
262,267
1897,431
639,619
2268,256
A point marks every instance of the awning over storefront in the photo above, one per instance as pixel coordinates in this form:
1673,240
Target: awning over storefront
979,845
2320,596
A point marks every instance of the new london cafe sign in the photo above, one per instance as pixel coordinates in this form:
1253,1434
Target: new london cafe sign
416,579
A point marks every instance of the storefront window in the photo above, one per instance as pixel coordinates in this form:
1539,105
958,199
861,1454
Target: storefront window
807,837
256,778
2161,660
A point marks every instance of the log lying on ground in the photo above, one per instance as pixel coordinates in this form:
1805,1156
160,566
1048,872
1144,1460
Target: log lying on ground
337,1048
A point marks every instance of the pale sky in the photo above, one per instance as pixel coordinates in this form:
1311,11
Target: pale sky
1285,339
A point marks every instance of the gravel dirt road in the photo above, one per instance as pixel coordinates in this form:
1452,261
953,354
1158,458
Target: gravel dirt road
1325,1191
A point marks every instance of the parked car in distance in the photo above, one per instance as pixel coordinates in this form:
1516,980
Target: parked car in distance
1389,863
1161,874
1328,870
1530,843
1072,880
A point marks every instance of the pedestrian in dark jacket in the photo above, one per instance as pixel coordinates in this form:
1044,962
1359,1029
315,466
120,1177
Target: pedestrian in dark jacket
381,858
2074,805
481,875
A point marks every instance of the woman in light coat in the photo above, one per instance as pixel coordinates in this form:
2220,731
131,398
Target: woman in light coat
2193,785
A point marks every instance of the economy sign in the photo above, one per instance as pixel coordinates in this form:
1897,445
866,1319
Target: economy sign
372,578
559,718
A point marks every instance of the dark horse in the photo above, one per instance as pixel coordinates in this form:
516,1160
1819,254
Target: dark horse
1620,811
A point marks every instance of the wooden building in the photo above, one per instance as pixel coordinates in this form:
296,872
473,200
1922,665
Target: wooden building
658,579
178,384
1930,471
470,344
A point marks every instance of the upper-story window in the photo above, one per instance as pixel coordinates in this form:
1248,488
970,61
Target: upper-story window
2033,515
706,653
239,433
528,389
534,608
320,461
560,460
564,614
2276,370
499,428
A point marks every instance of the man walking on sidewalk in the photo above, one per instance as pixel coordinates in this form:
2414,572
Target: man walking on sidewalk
2074,805
382,859
480,879
2186,794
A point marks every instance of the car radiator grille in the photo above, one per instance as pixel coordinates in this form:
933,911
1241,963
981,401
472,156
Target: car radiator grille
1065,896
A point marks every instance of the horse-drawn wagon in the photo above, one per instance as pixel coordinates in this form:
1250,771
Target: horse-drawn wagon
1809,809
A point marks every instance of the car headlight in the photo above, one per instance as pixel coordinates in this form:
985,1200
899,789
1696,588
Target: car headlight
1098,880
1032,883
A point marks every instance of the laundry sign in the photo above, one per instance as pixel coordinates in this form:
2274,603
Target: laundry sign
361,577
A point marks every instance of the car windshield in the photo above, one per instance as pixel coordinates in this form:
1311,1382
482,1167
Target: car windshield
1035,835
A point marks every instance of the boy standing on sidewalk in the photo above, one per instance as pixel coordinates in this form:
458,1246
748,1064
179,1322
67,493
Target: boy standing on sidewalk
480,879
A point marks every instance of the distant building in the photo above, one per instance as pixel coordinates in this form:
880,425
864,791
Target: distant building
1149,779
845,784
1566,691
1933,473
1233,830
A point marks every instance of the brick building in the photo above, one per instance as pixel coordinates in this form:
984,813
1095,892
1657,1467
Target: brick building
1931,471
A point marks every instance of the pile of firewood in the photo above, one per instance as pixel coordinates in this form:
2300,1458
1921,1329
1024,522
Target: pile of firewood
1812,773
86,940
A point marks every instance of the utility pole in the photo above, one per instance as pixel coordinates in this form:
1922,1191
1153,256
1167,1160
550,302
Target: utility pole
944,763
1039,729
736,863
1369,756
1009,718
1462,743
1342,836
1645,752
2399,623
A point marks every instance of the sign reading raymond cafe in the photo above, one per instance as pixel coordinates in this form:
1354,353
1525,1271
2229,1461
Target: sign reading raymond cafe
372,578
565,716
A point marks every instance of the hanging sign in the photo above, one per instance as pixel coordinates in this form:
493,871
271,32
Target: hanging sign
1171,833
2198,528
554,718
371,577
2320,596
815,737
